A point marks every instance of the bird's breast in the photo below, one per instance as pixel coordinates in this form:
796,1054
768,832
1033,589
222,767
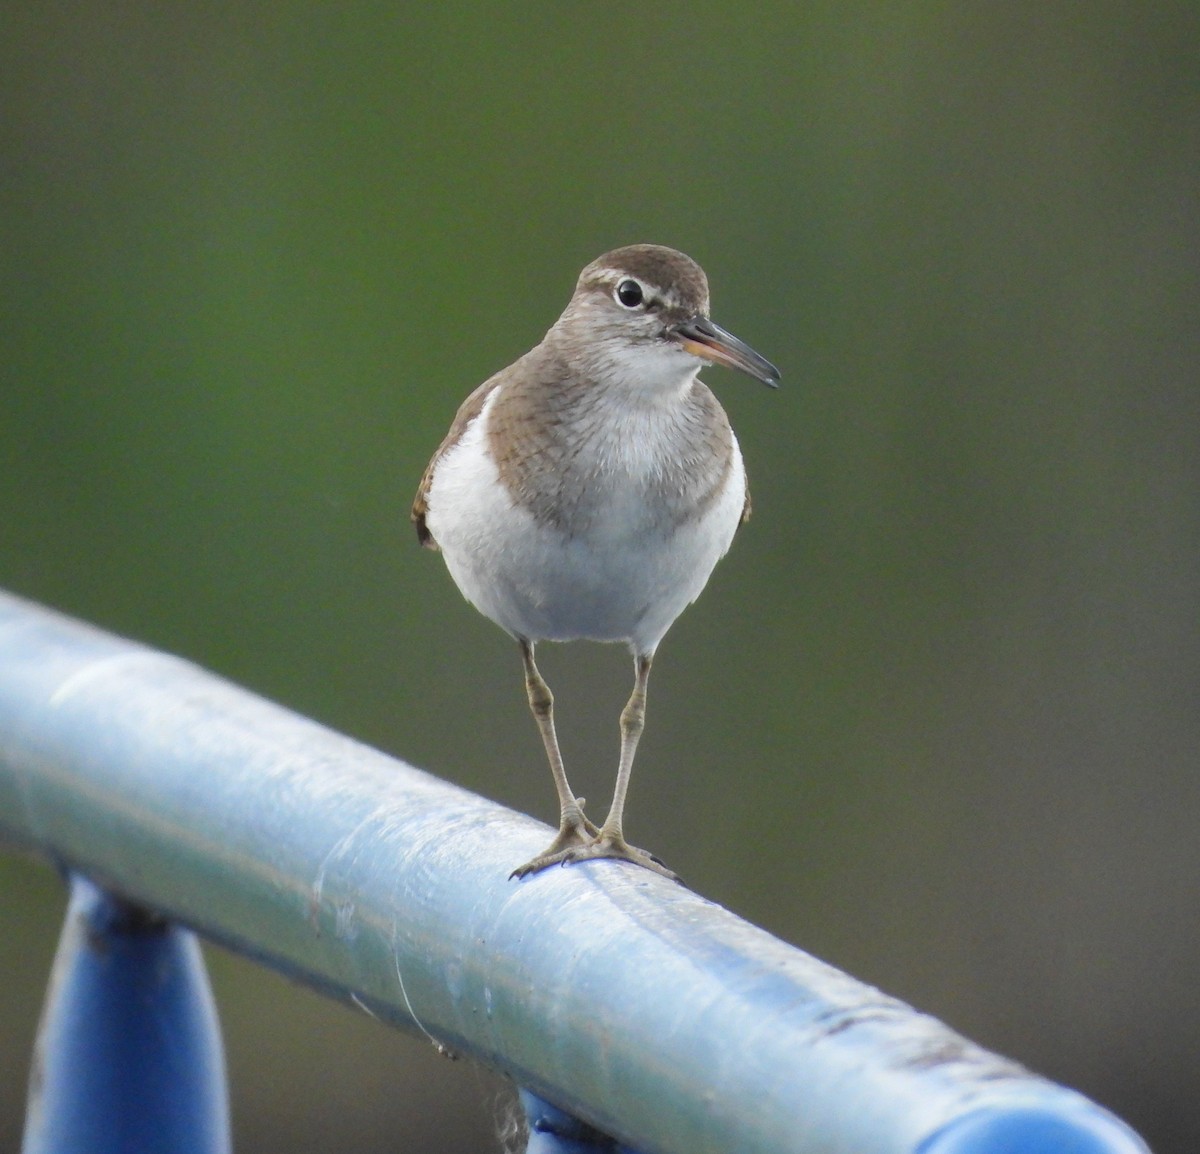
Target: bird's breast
611,467
599,536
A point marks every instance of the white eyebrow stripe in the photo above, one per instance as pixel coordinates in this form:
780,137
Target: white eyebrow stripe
616,274
612,275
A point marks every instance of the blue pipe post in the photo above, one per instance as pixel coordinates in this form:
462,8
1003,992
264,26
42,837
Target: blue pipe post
129,1057
554,1131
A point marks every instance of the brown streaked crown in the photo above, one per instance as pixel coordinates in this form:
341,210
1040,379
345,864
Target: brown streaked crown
677,280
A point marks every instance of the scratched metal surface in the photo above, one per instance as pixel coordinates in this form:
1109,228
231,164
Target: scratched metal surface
630,1001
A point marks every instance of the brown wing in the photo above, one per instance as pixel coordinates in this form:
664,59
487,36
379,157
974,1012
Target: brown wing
746,505
467,412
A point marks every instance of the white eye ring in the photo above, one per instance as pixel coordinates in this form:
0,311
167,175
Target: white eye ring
629,294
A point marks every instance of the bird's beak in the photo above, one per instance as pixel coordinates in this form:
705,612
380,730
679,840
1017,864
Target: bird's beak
712,343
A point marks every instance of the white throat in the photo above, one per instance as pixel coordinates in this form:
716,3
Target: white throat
642,372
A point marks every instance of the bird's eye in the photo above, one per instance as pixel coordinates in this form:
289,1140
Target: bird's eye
629,294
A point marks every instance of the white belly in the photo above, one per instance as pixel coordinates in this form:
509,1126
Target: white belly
617,582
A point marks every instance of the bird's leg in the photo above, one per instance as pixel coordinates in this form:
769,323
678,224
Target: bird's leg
609,841
573,828
633,720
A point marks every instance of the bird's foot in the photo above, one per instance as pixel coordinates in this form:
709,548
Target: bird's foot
574,832
603,845
614,846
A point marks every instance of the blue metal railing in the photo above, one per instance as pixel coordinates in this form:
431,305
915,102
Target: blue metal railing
626,1001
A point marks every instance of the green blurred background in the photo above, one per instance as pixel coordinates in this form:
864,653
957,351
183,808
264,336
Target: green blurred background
936,717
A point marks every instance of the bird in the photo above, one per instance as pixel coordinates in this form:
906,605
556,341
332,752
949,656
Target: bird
587,491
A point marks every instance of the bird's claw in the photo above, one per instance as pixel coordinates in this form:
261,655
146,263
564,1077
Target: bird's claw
602,845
